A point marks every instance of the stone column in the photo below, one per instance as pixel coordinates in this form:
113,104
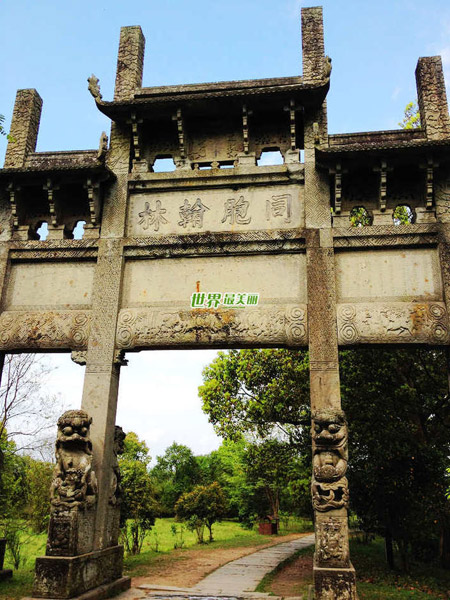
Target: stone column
334,576
24,127
101,382
432,98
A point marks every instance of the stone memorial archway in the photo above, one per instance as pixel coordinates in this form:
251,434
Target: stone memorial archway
207,256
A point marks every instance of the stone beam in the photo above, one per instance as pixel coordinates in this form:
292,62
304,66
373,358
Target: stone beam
432,97
130,62
24,127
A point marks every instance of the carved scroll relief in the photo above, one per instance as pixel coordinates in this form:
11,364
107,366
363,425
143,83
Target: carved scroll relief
44,330
142,328
395,322
215,210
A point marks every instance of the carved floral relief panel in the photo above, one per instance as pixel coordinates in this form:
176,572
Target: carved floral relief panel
145,328
23,330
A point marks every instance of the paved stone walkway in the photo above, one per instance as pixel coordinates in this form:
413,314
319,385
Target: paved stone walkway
238,578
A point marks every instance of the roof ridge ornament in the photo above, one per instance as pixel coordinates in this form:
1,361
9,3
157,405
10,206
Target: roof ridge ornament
94,87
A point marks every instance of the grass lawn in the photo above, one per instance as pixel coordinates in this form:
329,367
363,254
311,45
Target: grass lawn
22,579
227,534
375,581
158,544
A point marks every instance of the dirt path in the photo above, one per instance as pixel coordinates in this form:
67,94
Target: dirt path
185,568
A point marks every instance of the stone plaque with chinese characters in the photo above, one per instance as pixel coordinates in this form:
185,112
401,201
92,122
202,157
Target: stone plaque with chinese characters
216,210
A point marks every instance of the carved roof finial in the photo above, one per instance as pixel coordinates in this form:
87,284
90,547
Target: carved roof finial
94,88
102,147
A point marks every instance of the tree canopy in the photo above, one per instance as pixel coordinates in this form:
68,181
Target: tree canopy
397,405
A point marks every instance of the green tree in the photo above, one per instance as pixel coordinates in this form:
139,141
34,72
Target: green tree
176,471
9,137
398,409
259,392
39,476
138,508
270,466
411,118
397,405
201,508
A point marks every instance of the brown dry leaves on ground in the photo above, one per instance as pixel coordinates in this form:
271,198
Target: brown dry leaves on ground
294,578
185,568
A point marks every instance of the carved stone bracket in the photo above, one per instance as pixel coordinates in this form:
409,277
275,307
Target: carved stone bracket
93,192
51,188
337,172
178,118
14,195
382,190
429,181
245,135
79,357
292,124
135,123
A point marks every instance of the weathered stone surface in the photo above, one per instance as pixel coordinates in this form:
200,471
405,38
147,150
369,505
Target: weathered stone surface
24,127
68,577
183,212
73,491
141,328
432,97
388,276
130,62
55,286
313,47
335,584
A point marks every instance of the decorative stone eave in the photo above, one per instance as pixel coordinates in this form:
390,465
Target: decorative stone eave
79,163
203,98
215,178
376,142
368,148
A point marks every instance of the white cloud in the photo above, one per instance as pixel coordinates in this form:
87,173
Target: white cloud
396,92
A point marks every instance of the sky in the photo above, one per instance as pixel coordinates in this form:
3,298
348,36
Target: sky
54,46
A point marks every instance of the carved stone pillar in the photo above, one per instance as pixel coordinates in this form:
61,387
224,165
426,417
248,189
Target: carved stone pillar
334,576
